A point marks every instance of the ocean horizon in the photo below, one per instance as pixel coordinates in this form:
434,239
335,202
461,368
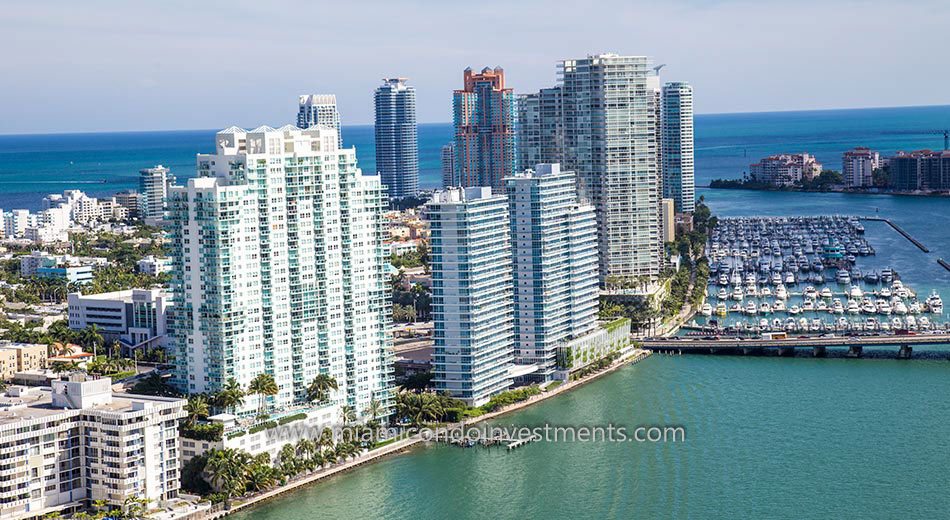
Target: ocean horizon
102,163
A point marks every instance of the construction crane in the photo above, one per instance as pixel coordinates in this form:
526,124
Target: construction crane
944,133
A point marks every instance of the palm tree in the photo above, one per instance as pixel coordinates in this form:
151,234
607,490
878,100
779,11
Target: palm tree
197,408
134,508
319,389
263,385
260,476
92,338
287,460
227,470
374,409
231,396
326,438
347,414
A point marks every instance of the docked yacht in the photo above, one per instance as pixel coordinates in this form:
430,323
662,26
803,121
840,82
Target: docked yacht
853,307
911,322
855,292
765,291
826,293
816,325
795,309
737,293
914,307
721,309
821,306
843,277
723,279
934,303
810,292
872,277
883,307
808,305
722,294
868,306
923,322
765,308
750,308
706,310
779,306
735,308
781,292
790,278
900,307
776,278
837,307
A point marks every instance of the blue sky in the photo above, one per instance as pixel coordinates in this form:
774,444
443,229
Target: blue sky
102,65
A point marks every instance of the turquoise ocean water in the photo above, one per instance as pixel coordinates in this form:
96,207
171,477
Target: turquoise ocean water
103,163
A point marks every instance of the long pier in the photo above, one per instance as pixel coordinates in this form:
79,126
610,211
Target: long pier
900,230
787,347
943,263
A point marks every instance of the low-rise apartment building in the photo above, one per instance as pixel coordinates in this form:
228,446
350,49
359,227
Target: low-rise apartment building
65,446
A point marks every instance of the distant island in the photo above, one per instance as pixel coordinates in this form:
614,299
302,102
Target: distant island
922,172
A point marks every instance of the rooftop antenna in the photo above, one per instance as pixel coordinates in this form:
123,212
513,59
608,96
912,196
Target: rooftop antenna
656,70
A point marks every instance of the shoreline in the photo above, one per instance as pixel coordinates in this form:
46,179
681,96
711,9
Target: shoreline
635,356
841,191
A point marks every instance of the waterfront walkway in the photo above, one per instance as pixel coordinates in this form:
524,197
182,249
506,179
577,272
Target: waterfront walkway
209,512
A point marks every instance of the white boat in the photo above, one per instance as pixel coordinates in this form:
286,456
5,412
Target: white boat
764,323
821,306
803,324
911,322
776,278
900,308
810,292
777,324
883,307
765,291
843,277
885,293
750,308
795,309
778,306
790,278
868,306
853,307
914,307
897,323
735,308
935,303
723,279
837,307
924,323
843,323
855,292
816,325
722,294
765,308
706,310
737,293
826,293
781,292
751,290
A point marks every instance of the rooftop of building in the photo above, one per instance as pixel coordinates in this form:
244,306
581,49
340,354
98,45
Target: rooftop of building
127,296
21,403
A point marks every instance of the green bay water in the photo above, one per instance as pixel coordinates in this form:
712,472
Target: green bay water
766,438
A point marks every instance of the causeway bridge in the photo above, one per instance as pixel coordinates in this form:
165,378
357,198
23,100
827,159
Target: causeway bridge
787,347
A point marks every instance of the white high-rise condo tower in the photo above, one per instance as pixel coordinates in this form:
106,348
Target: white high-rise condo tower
677,147
319,110
279,268
397,153
472,302
609,126
554,250
153,186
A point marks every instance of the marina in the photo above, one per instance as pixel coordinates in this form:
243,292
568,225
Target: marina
802,275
